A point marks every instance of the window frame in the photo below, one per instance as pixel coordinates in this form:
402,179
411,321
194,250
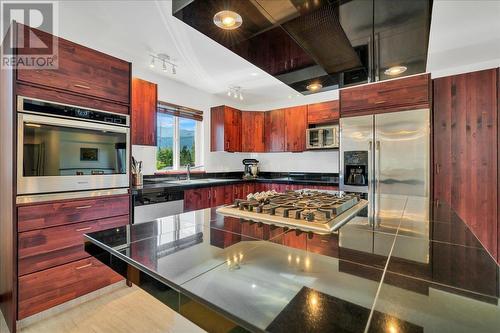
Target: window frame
176,149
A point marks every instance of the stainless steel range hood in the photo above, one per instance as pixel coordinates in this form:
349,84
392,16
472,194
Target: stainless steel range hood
335,43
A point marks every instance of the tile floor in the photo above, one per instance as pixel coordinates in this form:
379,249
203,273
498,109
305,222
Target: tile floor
123,310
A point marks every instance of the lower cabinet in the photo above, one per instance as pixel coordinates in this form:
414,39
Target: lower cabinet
45,289
201,198
53,267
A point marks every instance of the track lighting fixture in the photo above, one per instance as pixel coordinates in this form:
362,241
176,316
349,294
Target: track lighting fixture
236,92
165,60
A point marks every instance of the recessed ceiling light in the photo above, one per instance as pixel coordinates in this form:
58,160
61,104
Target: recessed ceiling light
395,70
228,20
314,86
254,74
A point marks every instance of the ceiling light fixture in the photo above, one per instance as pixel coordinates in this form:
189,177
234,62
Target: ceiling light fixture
165,61
395,70
228,20
314,86
236,92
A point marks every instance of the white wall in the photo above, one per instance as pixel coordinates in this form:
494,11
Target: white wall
311,161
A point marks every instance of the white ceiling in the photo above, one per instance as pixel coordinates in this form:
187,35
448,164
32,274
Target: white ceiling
462,33
132,30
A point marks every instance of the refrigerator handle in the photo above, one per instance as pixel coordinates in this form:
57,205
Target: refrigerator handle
371,193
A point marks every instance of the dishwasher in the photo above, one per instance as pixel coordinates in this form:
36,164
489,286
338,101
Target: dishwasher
155,204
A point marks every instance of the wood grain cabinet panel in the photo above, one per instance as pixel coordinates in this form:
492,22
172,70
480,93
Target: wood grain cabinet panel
295,128
42,290
466,151
67,212
198,198
323,113
49,247
80,69
225,129
274,130
394,95
252,131
144,102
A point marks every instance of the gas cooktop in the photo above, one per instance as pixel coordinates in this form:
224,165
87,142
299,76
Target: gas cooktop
307,210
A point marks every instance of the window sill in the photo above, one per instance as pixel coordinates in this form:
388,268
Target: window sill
178,172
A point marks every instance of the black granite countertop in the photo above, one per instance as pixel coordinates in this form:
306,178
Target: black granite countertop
423,275
166,182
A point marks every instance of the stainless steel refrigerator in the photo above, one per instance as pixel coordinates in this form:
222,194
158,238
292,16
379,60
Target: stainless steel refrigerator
387,157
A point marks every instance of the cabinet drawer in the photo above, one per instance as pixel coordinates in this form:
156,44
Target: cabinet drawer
49,247
46,289
80,70
67,212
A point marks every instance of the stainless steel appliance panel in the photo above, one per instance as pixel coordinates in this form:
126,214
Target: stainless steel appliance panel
49,155
402,161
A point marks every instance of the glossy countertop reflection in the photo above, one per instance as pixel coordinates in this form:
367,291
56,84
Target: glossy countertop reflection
277,280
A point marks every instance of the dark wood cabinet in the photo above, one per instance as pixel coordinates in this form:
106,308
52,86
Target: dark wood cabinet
323,113
465,131
45,248
197,198
143,111
407,93
225,129
32,217
252,131
274,130
295,128
80,70
45,289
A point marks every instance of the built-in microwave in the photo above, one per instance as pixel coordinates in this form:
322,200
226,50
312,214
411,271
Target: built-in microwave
325,137
62,148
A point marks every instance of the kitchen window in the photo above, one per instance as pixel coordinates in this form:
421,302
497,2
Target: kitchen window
178,137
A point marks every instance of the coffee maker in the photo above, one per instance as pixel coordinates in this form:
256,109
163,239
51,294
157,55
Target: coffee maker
251,168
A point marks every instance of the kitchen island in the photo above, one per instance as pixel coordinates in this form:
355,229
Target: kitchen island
231,275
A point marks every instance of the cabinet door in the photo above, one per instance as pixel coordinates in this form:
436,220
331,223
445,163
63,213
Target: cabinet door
275,130
465,150
295,128
323,113
232,129
144,100
252,131
225,129
217,196
239,191
80,69
395,95
228,194
197,199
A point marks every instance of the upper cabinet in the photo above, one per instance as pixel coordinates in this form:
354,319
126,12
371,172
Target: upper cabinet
295,128
323,113
144,102
388,96
80,70
252,131
225,127
275,130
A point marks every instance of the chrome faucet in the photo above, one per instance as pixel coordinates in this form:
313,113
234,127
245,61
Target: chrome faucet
188,169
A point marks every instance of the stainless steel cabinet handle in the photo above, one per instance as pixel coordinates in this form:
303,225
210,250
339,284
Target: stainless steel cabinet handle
84,207
84,229
84,266
81,86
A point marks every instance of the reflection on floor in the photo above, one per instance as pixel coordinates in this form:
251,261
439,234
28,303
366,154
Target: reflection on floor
121,311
